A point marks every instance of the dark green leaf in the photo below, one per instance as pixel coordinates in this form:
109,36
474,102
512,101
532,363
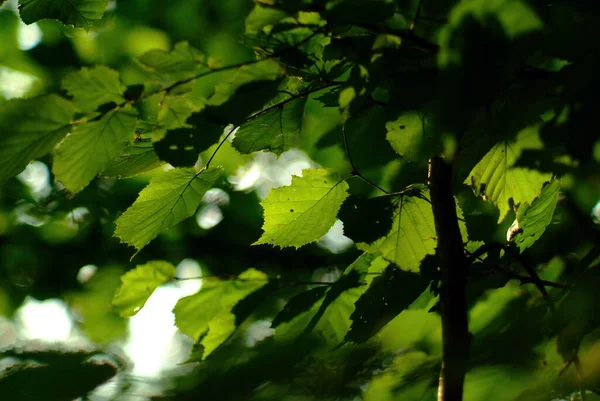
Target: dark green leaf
92,87
298,304
136,158
79,13
366,219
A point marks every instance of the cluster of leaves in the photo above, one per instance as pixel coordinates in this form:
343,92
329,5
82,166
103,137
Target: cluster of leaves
495,87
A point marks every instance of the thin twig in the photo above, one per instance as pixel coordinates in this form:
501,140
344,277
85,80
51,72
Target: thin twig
417,14
354,170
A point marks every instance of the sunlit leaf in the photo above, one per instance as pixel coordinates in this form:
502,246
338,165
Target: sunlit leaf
304,211
168,199
412,137
496,180
534,219
92,146
276,130
138,284
208,315
29,128
92,87
412,236
79,13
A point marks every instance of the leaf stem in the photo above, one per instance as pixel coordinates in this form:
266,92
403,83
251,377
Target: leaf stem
355,172
417,14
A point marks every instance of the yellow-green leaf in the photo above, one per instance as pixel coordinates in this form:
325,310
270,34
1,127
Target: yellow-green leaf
304,211
92,87
138,284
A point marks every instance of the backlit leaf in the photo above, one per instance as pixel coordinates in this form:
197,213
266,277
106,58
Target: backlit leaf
92,87
304,211
496,180
79,13
208,315
92,146
412,236
411,136
168,199
181,63
30,128
276,130
138,284
534,219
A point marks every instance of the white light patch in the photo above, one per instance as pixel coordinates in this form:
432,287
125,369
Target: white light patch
335,240
47,320
258,331
29,36
209,216
86,273
37,177
155,324
14,83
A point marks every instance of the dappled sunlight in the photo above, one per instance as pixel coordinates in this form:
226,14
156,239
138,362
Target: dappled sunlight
15,83
47,320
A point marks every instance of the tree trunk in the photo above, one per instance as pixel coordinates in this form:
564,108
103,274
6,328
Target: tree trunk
453,266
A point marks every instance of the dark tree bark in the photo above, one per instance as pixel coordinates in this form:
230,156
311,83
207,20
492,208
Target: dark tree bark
453,266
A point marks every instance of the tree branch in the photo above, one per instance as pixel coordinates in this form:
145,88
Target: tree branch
453,264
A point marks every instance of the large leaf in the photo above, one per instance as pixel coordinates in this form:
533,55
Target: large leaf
138,284
167,200
92,87
276,130
298,304
92,146
412,236
208,315
79,13
136,158
387,296
183,62
29,129
496,180
534,219
304,211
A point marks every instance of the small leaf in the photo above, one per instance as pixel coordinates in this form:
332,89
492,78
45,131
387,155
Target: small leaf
208,315
366,219
387,296
138,284
495,179
412,137
92,146
29,128
92,87
304,211
534,219
412,236
79,13
166,201
276,130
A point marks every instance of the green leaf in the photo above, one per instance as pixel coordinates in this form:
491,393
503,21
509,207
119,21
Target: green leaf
534,219
304,211
366,219
136,158
412,137
92,87
181,63
92,146
387,296
168,199
29,128
276,130
496,180
298,304
207,314
412,236
138,284
79,13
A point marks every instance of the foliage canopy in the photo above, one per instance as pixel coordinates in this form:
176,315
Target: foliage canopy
455,141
